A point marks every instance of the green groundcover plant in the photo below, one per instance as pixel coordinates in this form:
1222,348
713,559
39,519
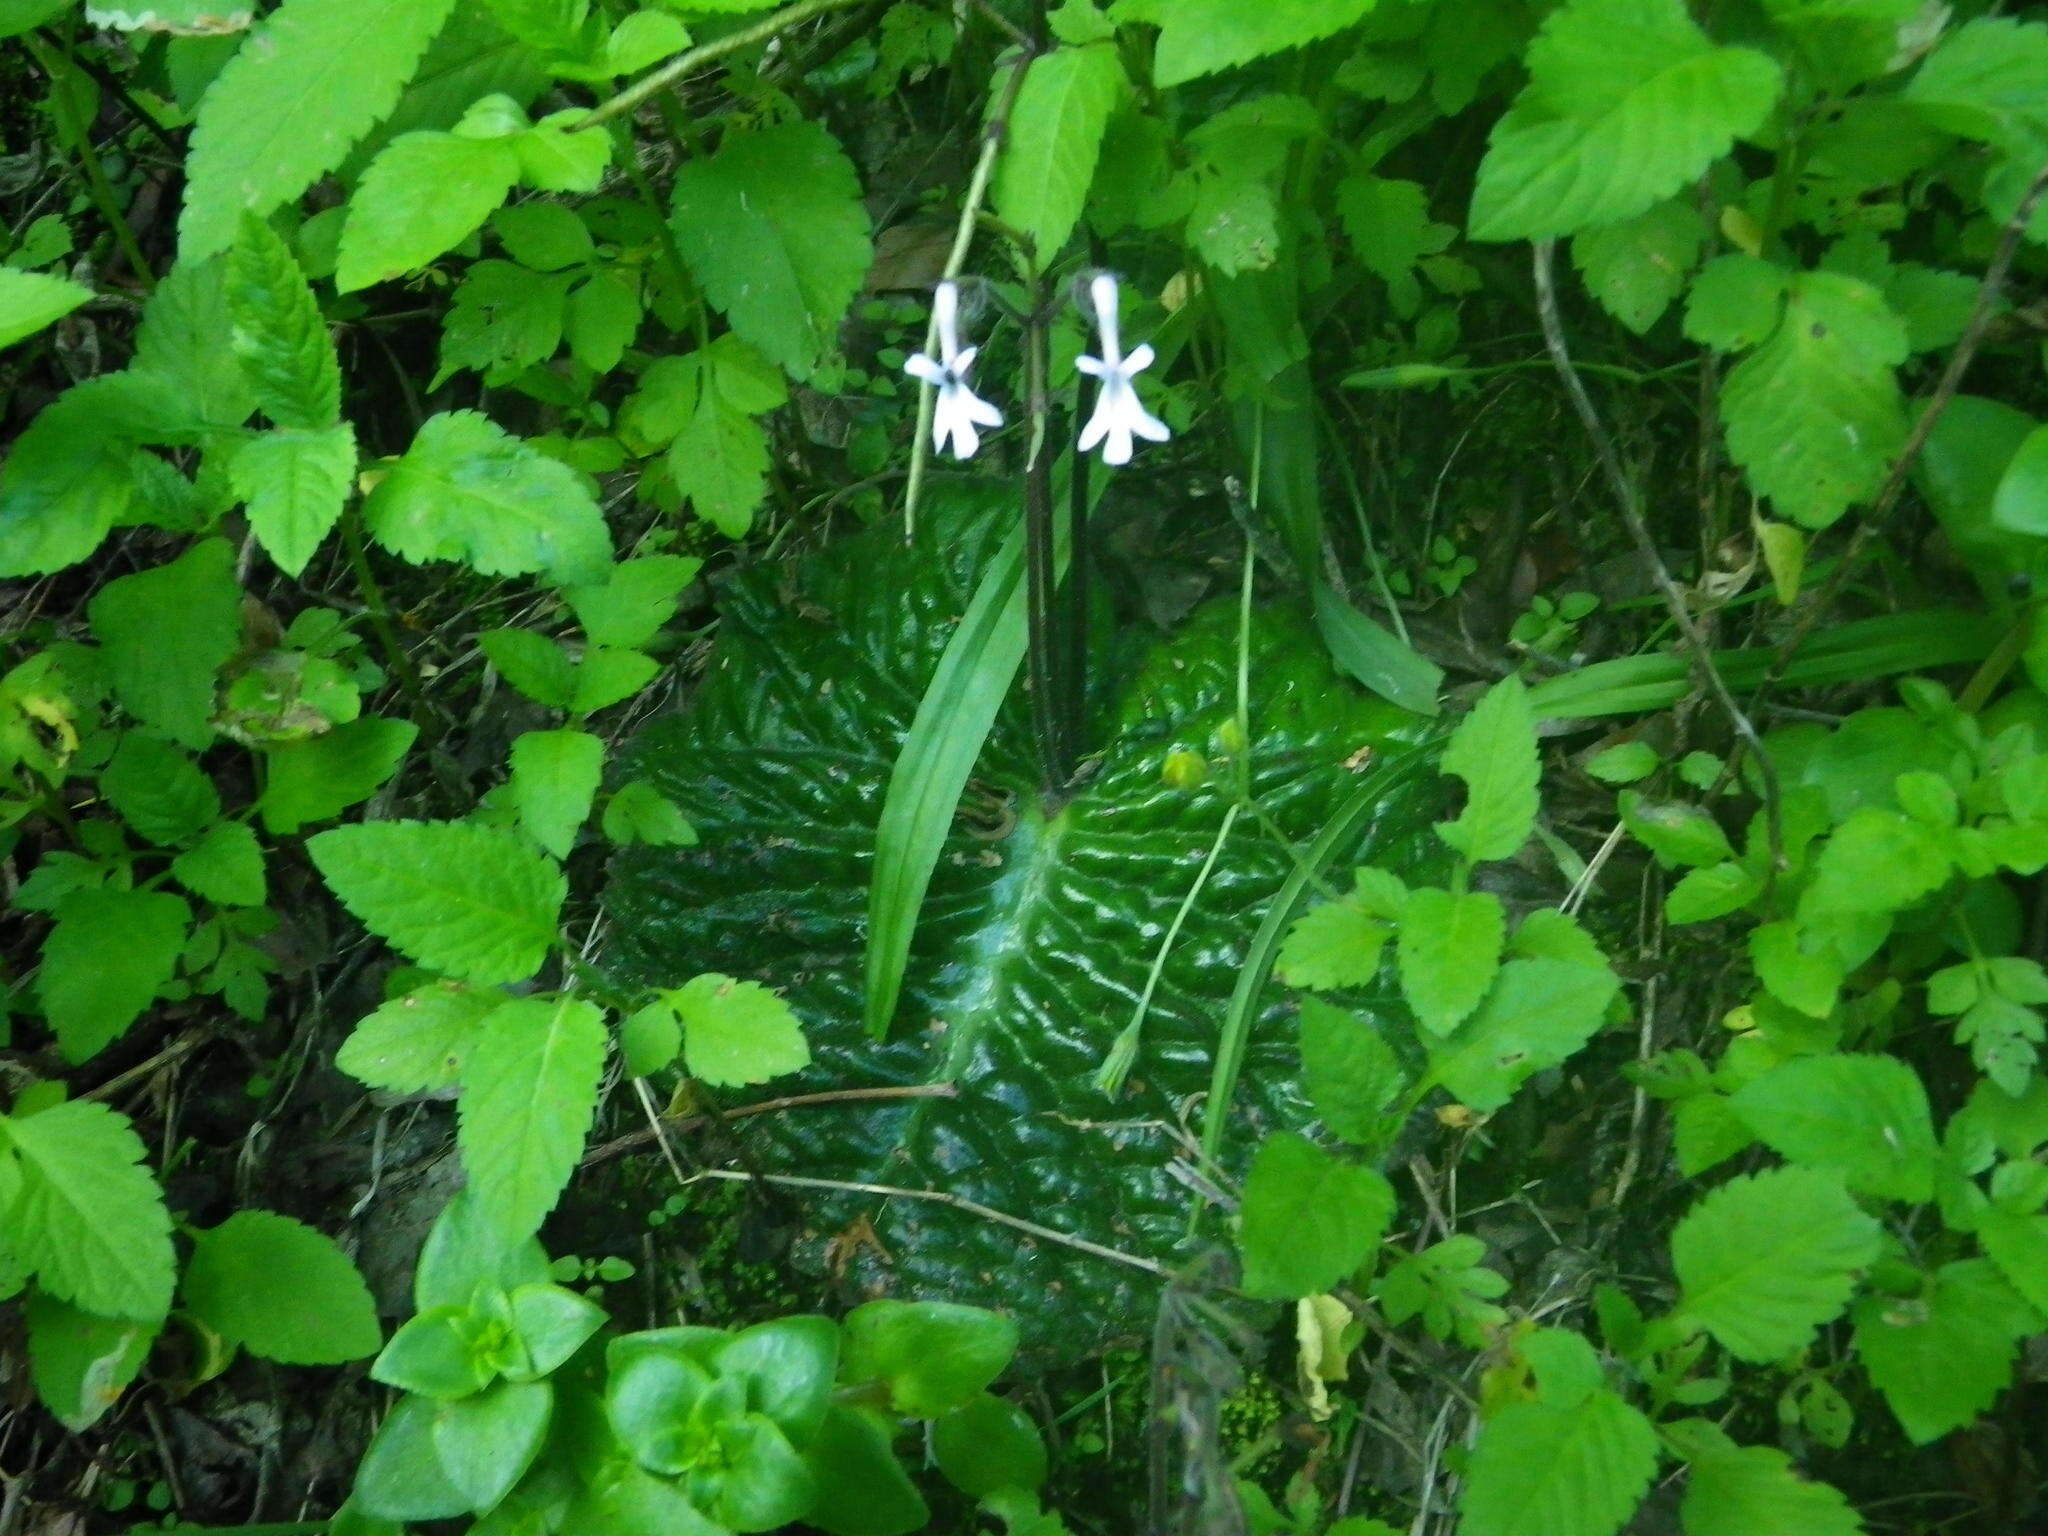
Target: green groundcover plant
1436,812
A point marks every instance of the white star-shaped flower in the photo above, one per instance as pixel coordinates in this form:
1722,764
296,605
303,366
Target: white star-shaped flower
959,410
1119,415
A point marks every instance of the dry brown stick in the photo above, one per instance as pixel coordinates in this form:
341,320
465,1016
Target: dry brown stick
1945,390
1627,495
680,1123
943,1197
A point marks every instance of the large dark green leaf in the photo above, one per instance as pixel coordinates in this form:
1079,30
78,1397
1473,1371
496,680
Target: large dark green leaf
1041,922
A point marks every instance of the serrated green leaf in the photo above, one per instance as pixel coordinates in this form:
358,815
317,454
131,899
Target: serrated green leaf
529,1089
504,320
279,333
180,342
1201,37
554,781
29,301
158,790
308,82
719,462
1876,861
85,1215
1814,415
634,600
1765,1260
1637,267
772,225
1735,302
1862,1118
602,318
295,484
649,1039
1744,1490
1986,80
225,867
324,775
1337,944
640,813
462,899
281,1290
2018,1245
417,1043
552,159
1449,949
1308,1220
468,490
164,674
1538,1014
1575,1462
1494,751
104,963
1389,227
1350,1073
421,197
1053,137
605,677
537,666
1627,101
736,1032
1941,1358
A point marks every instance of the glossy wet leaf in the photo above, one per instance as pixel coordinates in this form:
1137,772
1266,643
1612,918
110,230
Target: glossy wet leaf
1038,930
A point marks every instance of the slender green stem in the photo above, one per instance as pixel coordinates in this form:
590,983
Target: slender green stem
1123,1054
380,616
1047,690
706,53
956,258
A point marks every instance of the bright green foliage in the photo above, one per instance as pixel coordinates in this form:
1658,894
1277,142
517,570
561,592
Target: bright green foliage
1637,268
1862,1118
31,300
1941,1357
1388,224
468,490
164,674
418,1042
279,335
932,1356
82,1213
1537,1014
772,226
1764,1260
281,1290
1448,1288
989,1443
555,776
309,82
324,775
295,484
1627,102
1735,1490
736,1032
1335,945
635,598
158,790
1200,37
1449,950
81,1364
1985,80
1814,414
529,1090
1351,1074
1309,1220
109,955
1055,132
1494,751
462,899
224,866
1573,1461
421,196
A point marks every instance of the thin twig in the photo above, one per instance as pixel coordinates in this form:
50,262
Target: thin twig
1627,496
705,53
682,1123
957,1202
1874,521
